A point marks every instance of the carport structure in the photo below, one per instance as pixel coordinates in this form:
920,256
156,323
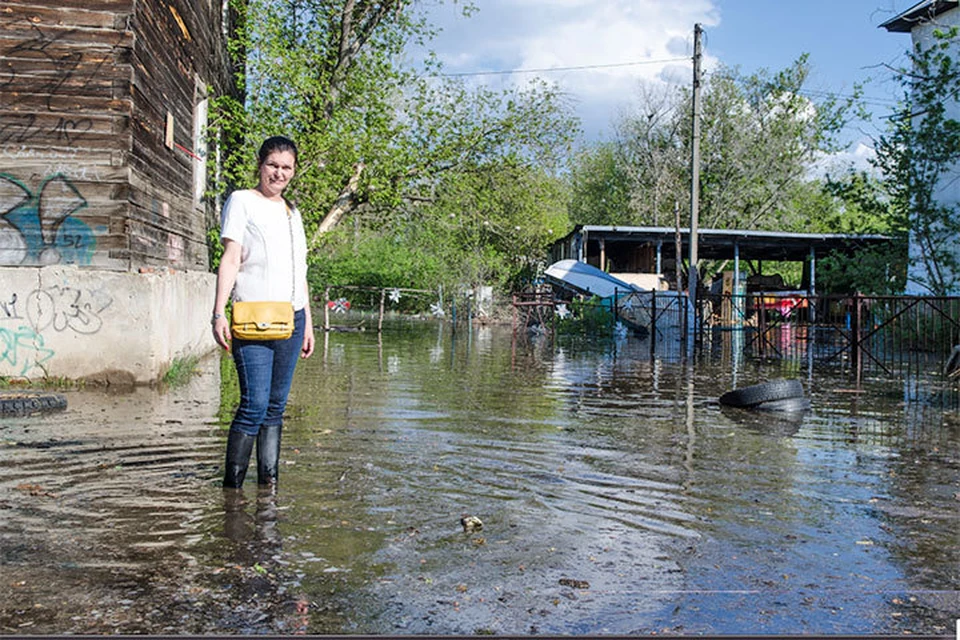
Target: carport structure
654,249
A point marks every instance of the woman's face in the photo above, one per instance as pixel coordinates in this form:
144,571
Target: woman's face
276,171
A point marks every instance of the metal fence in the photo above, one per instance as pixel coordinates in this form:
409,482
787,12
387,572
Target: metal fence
892,335
897,336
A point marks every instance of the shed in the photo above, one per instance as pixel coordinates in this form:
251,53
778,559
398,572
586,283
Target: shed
654,249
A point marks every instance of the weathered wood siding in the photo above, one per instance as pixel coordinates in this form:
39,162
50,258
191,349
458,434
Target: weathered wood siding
179,58
85,88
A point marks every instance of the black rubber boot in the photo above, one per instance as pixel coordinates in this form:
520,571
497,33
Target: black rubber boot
239,447
268,455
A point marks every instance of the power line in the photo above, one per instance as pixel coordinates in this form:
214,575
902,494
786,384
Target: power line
813,93
551,69
882,102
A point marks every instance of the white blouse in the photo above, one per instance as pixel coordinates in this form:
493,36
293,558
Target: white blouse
268,239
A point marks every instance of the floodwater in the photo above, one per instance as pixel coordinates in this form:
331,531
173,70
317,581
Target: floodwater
616,497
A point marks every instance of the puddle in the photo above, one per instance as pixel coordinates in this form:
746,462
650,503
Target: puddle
616,496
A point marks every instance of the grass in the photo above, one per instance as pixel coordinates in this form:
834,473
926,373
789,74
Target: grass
15,382
181,371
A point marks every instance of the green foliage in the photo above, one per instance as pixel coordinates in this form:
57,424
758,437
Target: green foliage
229,390
423,179
214,247
600,188
490,226
856,203
872,272
917,156
493,226
373,261
587,318
759,136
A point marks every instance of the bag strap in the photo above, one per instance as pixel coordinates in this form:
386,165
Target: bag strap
293,260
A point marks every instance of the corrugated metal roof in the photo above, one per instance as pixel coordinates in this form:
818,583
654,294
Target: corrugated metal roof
918,14
720,243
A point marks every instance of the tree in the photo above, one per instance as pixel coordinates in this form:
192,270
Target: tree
759,137
655,157
377,137
321,71
918,158
600,188
485,226
494,224
855,203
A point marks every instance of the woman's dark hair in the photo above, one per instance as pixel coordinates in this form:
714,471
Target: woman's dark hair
276,143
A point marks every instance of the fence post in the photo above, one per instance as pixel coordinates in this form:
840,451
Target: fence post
653,323
761,322
615,307
383,295
326,309
855,336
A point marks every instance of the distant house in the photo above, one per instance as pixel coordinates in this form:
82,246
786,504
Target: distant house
920,21
103,253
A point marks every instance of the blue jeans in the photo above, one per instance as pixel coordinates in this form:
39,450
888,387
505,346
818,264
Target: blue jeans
265,371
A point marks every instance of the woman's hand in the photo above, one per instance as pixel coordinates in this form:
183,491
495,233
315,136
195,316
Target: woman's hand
308,342
306,350
221,332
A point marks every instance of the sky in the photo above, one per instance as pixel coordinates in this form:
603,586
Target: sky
625,43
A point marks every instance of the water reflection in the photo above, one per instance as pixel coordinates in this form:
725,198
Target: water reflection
617,496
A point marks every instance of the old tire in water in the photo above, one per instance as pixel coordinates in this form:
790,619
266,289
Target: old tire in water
786,405
25,403
779,389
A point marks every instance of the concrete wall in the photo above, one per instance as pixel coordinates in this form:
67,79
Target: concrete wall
117,327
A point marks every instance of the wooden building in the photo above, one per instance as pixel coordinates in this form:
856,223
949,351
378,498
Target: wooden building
103,108
103,167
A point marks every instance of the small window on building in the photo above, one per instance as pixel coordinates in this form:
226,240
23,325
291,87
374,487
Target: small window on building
200,111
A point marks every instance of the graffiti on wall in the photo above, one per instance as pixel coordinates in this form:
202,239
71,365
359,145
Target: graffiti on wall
38,228
20,128
23,350
25,319
54,49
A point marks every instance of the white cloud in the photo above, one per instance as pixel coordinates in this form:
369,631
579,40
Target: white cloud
550,34
856,158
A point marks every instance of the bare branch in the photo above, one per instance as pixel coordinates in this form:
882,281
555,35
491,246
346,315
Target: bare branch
345,202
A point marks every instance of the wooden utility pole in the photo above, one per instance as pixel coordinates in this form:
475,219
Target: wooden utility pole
693,280
679,246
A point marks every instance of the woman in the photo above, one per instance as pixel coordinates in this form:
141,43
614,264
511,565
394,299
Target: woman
264,258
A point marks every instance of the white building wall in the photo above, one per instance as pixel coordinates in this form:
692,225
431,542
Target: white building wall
948,190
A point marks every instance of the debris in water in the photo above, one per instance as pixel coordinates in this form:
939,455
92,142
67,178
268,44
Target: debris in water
574,584
471,523
35,490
